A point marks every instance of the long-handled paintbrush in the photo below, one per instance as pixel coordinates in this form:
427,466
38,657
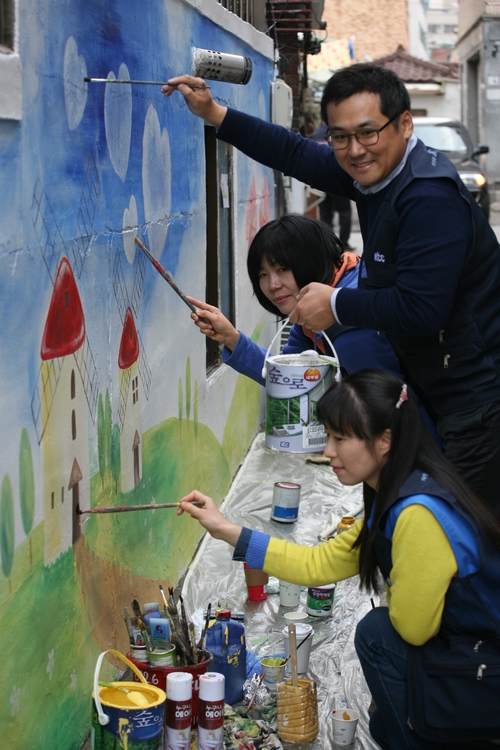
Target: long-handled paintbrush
165,275
145,83
125,508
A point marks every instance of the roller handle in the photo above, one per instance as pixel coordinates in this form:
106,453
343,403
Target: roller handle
292,638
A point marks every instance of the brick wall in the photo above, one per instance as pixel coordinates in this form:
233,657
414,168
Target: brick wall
378,25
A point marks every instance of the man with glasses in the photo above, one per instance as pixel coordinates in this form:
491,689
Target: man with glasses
430,270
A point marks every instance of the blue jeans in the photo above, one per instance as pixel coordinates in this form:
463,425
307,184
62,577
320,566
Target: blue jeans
383,655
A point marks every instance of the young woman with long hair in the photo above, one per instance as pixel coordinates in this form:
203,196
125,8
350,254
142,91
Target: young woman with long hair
431,658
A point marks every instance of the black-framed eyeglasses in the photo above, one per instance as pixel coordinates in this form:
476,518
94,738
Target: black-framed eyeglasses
365,136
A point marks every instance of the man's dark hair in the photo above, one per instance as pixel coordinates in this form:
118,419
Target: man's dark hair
394,97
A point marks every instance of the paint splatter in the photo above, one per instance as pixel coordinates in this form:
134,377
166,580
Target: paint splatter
118,121
75,89
72,681
51,664
156,168
15,699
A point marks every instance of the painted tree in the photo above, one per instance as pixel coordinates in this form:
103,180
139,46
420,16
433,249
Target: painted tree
27,487
195,408
7,528
115,455
108,427
101,438
180,403
188,389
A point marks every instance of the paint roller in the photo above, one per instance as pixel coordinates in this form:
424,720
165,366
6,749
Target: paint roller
206,63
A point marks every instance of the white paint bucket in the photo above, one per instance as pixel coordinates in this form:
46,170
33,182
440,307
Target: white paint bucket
294,385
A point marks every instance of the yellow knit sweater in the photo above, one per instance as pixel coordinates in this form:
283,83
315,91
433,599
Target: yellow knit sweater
423,566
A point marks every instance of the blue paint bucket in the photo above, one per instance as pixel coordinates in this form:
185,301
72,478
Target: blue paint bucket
126,715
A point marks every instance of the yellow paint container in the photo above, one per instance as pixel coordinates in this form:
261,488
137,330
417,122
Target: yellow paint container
126,715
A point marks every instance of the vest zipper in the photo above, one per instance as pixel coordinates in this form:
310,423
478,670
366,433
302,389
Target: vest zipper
480,671
441,337
446,358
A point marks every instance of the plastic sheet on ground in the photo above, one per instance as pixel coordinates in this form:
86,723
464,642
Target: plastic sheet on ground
214,577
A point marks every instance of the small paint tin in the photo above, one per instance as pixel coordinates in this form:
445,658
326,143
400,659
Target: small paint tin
289,594
163,657
320,600
286,498
345,523
139,653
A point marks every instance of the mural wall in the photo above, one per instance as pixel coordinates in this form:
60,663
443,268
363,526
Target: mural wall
105,398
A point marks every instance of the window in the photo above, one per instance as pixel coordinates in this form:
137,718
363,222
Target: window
219,269
135,390
434,28
11,78
450,28
73,384
73,425
62,494
7,25
52,500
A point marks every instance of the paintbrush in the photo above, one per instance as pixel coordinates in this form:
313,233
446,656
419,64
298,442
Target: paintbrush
203,640
247,709
166,276
177,633
126,508
146,83
192,642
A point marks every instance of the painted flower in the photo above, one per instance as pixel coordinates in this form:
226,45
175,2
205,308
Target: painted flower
50,664
72,683
15,699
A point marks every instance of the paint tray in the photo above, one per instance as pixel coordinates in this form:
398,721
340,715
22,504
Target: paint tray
297,711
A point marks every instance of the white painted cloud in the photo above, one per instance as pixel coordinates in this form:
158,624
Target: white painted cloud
118,120
129,226
156,181
75,89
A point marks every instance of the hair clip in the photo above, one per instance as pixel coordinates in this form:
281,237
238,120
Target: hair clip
403,396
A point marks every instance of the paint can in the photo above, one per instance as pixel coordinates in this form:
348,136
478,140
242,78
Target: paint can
211,711
139,653
294,385
179,710
286,499
158,676
119,722
320,600
163,657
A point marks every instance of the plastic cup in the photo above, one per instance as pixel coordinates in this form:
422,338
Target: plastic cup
273,669
289,594
345,721
304,652
295,616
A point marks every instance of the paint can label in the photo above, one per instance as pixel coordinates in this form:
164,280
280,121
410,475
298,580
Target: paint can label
210,739
320,600
178,714
294,385
210,725
286,498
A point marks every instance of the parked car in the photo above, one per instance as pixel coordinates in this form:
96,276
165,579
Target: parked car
453,139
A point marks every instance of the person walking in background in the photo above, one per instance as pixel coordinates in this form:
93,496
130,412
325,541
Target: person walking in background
334,204
430,269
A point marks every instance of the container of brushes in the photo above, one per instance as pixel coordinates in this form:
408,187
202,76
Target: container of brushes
297,702
157,676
